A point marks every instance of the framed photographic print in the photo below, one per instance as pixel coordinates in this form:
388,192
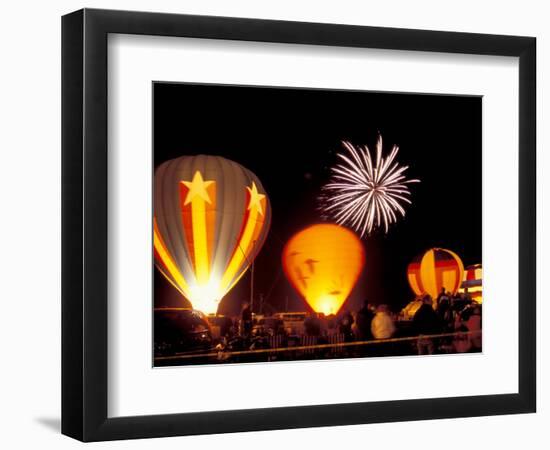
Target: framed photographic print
274,224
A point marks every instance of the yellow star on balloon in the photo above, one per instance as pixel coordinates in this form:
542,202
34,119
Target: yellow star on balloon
197,188
255,199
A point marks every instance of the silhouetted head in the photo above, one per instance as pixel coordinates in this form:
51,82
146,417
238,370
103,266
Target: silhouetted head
427,300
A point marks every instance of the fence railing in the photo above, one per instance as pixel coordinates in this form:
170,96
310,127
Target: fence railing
310,344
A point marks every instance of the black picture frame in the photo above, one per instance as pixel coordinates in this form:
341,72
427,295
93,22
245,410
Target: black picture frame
84,224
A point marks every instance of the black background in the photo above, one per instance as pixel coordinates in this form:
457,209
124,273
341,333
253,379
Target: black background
289,138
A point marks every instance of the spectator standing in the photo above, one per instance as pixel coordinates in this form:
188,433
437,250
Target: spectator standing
474,327
426,322
246,319
312,325
445,313
442,296
469,322
364,322
345,326
331,324
382,326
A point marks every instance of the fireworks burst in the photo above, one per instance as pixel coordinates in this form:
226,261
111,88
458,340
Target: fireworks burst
366,194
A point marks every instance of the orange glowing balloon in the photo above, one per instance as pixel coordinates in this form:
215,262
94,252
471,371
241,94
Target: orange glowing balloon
433,270
323,263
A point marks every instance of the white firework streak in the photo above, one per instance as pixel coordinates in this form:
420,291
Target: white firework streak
366,194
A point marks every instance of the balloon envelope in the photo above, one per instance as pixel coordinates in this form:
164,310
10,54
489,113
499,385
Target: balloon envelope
473,282
211,218
323,263
433,270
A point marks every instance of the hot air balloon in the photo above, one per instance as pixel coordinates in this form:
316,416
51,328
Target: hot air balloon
211,217
433,270
323,263
472,282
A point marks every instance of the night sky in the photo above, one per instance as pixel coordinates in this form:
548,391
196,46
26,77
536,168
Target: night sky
289,138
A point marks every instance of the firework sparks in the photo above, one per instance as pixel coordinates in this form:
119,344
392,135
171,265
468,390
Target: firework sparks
366,193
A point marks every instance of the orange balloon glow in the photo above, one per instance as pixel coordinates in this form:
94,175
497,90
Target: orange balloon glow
323,263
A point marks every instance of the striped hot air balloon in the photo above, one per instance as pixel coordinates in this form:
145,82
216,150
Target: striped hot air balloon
211,217
473,281
433,270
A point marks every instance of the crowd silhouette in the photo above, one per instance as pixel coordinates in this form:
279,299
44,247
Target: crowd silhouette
446,324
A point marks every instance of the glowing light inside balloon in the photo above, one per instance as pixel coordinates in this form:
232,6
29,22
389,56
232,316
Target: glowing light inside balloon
206,297
211,219
323,263
366,193
326,304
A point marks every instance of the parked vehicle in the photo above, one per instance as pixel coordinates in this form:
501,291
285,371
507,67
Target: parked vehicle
180,330
220,326
268,325
293,322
